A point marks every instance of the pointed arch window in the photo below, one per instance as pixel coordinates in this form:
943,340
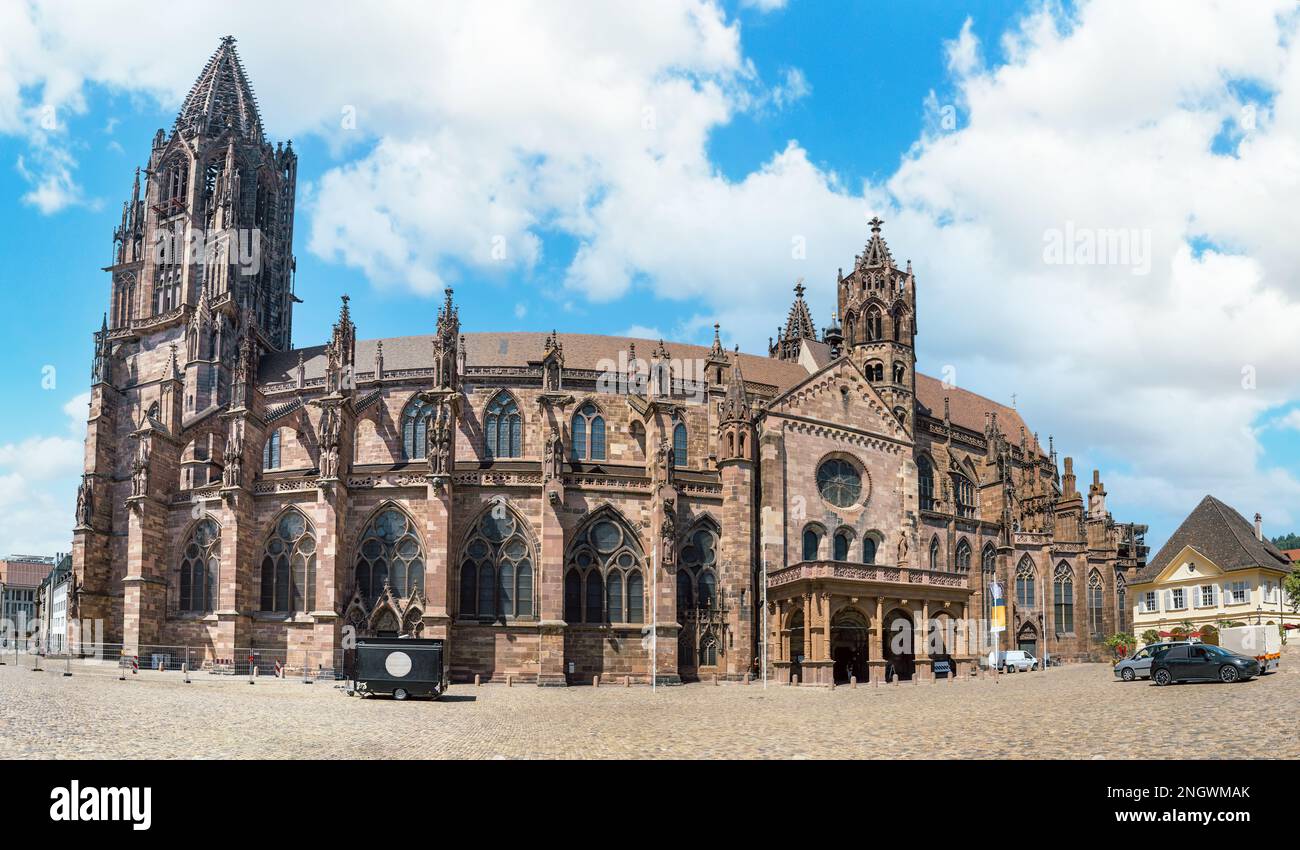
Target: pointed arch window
989,558
1121,602
1025,576
934,553
697,565
604,567
200,566
679,446
415,429
588,434
709,650
1096,595
496,571
289,566
1063,597
964,494
925,480
390,553
963,556
873,325
503,428
573,596
271,451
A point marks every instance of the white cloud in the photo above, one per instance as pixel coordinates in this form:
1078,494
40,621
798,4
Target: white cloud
479,130
963,51
38,477
764,5
643,332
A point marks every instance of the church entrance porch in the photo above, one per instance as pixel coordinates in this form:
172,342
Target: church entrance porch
831,622
850,646
897,646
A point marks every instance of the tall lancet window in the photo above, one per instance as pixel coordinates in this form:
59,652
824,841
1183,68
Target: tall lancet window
503,428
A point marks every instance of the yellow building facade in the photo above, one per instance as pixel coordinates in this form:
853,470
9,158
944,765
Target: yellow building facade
1216,569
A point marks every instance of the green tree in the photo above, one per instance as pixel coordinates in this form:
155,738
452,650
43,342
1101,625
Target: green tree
1287,541
1291,587
1150,636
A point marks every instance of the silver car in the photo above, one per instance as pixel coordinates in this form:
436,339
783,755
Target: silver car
1139,664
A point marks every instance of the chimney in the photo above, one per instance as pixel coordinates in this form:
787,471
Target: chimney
1259,527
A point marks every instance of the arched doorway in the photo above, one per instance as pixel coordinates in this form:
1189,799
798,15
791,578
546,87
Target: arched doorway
796,644
850,645
1027,639
897,646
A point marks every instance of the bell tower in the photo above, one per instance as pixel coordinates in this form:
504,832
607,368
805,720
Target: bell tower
877,306
213,219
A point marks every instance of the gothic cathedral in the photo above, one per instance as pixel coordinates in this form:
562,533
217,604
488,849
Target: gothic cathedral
556,507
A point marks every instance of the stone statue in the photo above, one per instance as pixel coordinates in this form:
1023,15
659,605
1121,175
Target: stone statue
140,469
329,443
85,502
902,549
233,456
554,466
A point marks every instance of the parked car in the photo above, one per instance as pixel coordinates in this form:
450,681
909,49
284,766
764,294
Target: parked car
1139,664
1201,662
1013,661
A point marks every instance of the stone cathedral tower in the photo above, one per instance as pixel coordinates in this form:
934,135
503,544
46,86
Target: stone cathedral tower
877,306
202,287
208,239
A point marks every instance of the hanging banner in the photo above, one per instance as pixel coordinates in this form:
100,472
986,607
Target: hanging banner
998,612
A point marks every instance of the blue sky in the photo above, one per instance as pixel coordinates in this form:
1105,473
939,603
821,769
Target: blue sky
772,120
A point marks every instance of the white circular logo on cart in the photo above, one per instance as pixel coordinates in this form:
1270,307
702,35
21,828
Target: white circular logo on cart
398,664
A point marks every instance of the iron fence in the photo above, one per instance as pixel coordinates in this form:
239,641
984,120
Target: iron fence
280,663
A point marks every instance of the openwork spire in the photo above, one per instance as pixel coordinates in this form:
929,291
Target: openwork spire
222,97
876,255
798,327
736,406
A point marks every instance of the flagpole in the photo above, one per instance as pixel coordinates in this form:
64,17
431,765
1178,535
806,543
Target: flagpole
765,623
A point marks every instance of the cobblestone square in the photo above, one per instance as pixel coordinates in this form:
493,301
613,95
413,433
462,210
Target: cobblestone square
155,715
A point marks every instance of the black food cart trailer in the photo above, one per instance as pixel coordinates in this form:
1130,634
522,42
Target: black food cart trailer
402,667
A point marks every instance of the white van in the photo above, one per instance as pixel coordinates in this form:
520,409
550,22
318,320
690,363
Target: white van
1262,643
1013,661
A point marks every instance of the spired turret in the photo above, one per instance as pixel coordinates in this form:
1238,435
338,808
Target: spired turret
736,425
877,305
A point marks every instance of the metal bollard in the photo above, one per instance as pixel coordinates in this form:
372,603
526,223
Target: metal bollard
794,680
595,681
853,683
185,671
252,674
306,662
67,666
478,681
